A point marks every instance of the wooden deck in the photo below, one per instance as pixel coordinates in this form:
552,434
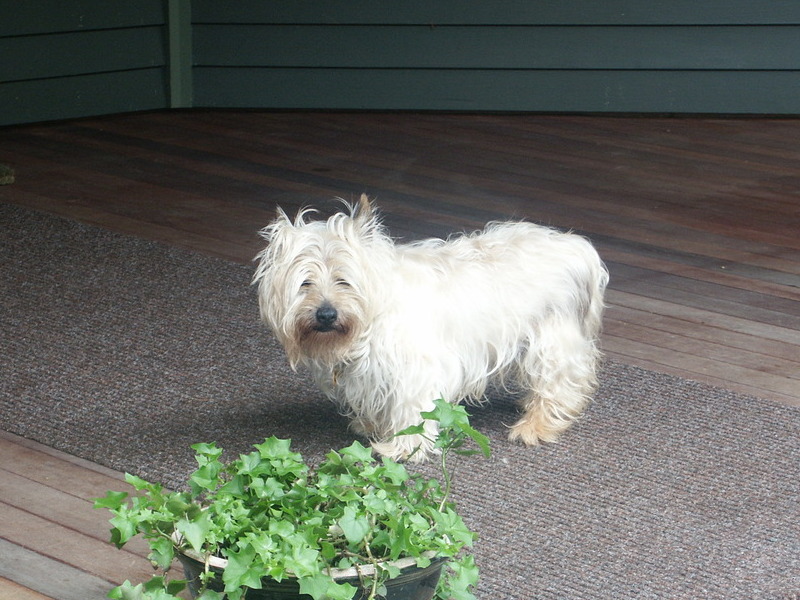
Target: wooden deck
698,220
53,544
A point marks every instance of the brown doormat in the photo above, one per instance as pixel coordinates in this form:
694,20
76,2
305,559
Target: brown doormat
124,352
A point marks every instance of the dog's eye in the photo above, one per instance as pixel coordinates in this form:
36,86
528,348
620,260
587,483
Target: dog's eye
342,283
306,284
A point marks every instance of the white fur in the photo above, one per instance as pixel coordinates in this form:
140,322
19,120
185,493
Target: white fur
517,302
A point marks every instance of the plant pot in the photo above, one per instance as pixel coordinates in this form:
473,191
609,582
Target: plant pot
413,583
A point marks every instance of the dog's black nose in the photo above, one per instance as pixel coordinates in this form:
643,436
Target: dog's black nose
326,316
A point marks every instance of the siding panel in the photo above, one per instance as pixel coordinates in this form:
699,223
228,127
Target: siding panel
725,56
618,56
499,12
80,58
32,17
458,47
500,90
84,95
80,53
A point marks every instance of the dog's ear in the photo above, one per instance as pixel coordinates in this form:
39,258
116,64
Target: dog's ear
363,212
366,223
280,215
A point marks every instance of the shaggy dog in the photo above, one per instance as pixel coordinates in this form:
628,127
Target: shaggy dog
387,328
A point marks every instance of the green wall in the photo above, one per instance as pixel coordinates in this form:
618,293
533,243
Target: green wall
729,56
76,58
84,57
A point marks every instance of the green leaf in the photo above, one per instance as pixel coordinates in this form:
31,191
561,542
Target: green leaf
162,552
234,487
151,590
412,430
270,488
423,561
391,570
177,505
111,501
327,550
316,586
460,576
242,570
195,531
125,526
354,526
176,586
275,448
138,483
322,587
204,478
341,591
481,440
395,471
125,587
454,525
263,544
249,462
358,452
281,528
206,452
303,561
453,420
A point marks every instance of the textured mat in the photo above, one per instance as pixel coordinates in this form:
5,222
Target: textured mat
124,352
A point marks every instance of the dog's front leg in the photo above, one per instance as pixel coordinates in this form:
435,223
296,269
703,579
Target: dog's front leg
413,447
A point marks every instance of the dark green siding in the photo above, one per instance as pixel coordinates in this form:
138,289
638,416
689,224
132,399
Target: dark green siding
502,90
498,12
79,58
85,57
678,56
499,47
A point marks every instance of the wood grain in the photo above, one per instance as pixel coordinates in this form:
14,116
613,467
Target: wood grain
698,220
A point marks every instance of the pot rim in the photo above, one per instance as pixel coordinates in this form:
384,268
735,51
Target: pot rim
362,570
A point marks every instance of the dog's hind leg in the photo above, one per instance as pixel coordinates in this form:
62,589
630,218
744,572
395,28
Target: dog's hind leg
557,373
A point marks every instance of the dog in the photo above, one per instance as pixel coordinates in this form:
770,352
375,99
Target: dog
385,329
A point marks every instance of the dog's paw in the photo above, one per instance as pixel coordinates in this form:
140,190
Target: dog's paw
390,450
531,432
411,448
363,427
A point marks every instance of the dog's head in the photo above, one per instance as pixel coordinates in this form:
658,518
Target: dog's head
314,280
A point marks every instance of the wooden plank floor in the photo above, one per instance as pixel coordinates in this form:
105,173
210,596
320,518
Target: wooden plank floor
698,220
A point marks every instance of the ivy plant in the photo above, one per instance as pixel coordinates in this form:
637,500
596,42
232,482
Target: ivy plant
270,515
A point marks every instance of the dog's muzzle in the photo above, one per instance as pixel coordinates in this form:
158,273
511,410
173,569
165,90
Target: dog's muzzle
326,316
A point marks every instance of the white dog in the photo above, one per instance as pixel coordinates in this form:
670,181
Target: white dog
386,329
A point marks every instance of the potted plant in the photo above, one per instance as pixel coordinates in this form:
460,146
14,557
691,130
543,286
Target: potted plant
267,525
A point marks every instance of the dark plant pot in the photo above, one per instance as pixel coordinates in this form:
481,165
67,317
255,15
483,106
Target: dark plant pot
413,583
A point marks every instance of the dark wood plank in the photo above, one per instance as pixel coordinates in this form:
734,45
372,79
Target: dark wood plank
20,492
78,478
59,542
30,570
697,218
52,541
10,590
